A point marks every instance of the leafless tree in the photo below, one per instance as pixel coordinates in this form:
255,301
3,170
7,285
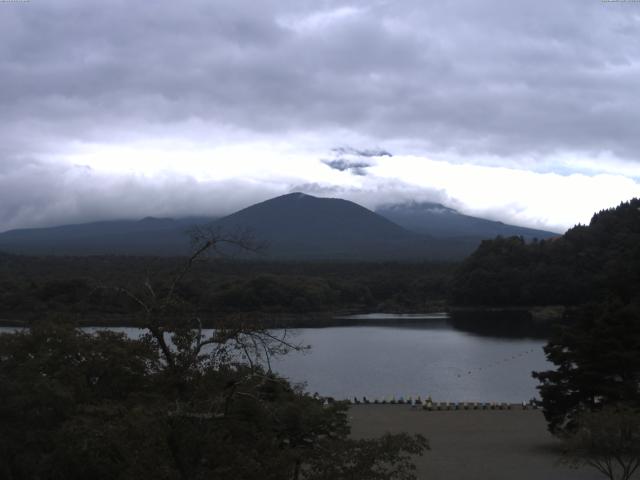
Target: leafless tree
180,336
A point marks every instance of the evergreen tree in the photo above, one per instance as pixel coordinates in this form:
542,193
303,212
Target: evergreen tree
597,359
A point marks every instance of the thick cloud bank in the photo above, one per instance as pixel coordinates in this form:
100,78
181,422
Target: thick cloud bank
116,109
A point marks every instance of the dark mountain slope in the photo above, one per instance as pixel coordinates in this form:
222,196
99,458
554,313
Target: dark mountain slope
295,226
149,236
442,222
298,225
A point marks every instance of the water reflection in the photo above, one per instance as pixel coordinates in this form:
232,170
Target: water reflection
443,362
489,323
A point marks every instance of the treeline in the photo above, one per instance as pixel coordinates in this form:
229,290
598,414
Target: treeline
589,263
32,286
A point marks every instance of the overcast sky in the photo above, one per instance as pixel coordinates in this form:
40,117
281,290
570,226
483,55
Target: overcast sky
522,111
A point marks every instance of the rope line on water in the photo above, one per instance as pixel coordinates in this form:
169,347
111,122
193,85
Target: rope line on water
496,363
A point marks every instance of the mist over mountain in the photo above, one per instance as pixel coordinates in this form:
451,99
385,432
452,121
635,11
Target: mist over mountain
294,226
442,222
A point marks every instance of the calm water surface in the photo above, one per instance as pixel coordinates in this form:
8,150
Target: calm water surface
426,358
447,364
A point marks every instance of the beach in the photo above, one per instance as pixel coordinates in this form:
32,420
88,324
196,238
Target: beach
473,444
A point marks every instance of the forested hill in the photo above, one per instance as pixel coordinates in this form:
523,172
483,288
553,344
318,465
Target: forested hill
588,263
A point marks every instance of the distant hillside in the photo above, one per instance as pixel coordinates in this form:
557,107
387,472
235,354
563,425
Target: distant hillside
587,263
294,226
149,236
442,222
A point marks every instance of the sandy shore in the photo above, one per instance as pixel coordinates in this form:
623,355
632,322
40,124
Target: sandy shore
473,444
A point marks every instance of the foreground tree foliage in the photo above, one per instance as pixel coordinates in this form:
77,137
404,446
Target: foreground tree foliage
592,399
597,362
174,404
607,440
100,406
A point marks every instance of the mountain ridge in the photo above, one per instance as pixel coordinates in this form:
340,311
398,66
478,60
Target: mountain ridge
440,221
295,226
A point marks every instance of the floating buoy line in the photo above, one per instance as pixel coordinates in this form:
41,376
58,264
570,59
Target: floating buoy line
495,364
429,405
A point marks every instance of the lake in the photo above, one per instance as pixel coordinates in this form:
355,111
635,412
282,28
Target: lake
424,355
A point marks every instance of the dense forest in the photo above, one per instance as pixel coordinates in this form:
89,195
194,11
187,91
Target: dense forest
591,398
88,287
588,263
593,271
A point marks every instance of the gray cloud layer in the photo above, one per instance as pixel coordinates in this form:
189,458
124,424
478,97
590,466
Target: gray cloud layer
354,160
367,152
500,77
494,76
340,164
39,194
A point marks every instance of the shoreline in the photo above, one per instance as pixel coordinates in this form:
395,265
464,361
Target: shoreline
319,319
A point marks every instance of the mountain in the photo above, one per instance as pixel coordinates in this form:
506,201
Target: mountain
442,222
302,226
149,236
294,226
